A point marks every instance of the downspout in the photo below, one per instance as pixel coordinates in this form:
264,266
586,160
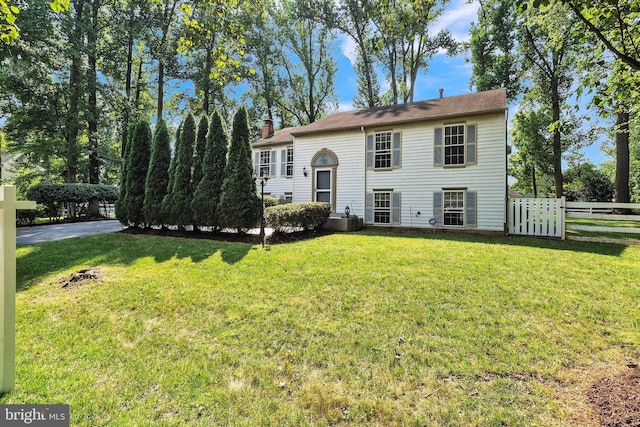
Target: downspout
506,173
364,178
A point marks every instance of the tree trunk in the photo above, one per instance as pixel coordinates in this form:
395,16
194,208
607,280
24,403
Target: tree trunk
533,181
94,160
557,137
72,122
160,89
127,90
622,158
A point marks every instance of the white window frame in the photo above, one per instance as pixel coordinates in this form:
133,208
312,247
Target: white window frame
382,205
383,154
288,196
289,162
264,169
454,141
453,203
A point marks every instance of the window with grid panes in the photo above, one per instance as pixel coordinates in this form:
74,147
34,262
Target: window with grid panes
454,145
453,208
289,167
382,152
265,163
382,208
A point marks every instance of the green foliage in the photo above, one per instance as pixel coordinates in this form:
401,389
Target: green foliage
585,183
493,48
157,179
182,191
8,27
166,202
199,149
138,167
239,206
54,196
207,195
305,215
270,201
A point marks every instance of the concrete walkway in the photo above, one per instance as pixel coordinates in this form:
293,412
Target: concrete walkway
46,233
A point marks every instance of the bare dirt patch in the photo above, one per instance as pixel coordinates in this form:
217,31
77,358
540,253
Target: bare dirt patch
81,277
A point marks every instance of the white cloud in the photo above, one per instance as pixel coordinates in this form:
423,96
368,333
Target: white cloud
457,18
349,49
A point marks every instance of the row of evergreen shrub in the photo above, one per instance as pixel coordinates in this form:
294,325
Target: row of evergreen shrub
201,185
306,215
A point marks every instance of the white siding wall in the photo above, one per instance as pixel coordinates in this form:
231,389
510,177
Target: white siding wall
277,185
349,147
418,179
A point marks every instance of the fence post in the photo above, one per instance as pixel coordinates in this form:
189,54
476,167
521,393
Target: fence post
563,211
8,206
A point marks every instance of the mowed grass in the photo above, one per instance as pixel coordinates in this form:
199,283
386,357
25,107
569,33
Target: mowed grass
357,329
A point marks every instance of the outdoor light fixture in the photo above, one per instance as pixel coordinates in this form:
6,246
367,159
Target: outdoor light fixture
304,170
347,210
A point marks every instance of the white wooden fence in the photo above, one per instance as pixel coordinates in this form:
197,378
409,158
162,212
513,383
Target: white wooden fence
536,217
8,206
548,217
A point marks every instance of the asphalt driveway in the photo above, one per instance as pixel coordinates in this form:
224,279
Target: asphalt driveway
46,233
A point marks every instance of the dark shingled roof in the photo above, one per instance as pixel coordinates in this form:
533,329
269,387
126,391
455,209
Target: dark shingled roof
491,101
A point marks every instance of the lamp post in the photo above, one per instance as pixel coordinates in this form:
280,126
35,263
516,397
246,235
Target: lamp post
263,182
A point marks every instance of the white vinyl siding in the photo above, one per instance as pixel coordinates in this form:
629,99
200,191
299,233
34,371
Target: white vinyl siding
278,184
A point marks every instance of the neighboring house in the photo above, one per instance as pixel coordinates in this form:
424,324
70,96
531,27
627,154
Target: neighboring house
399,165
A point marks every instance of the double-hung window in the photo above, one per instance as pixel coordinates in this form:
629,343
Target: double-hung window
382,150
455,145
382,207
265,163
453,208
286,162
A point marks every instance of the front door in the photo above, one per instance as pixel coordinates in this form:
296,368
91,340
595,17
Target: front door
323,186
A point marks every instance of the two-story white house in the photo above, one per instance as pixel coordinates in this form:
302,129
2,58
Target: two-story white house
443,160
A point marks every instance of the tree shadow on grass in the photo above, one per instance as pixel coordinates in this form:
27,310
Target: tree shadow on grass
41,260
607,249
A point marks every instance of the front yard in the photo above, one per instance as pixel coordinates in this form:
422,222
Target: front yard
364,329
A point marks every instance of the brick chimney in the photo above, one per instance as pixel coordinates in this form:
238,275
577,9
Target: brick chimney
267,128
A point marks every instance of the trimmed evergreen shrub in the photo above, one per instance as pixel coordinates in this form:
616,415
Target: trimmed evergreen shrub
207,194
157,176
121,210
305,215
166,202
239,206
180,211
199,150
138,166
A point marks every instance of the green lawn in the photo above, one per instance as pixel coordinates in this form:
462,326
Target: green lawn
360,329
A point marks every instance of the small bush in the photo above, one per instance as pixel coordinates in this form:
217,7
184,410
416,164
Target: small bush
283,201
270,201
306,215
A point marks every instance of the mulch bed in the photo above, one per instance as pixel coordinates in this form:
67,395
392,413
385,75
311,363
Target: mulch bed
616,400
274,239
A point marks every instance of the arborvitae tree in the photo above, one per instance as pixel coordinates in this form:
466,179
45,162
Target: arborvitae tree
207,194
199,150
120,206
157,176
182,186
138,166
166,202
239,206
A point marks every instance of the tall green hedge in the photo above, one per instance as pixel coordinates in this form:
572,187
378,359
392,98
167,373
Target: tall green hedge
53,196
